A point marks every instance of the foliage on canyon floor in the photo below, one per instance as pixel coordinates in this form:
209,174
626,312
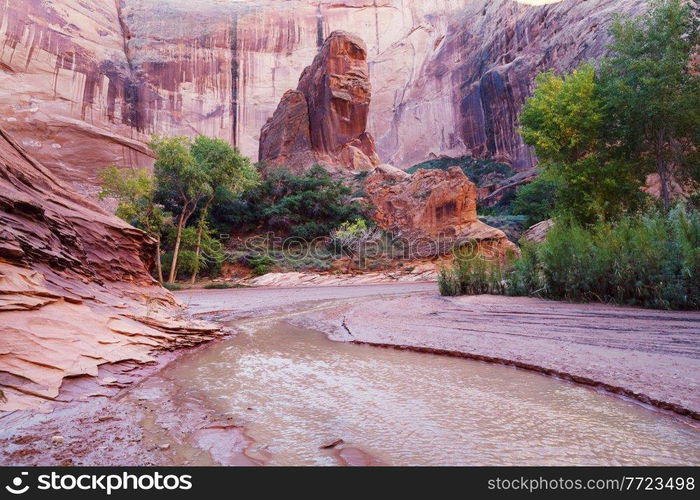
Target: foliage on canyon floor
472,274
203,191
188,175
650,260
307,205
535,200
479,171
600,132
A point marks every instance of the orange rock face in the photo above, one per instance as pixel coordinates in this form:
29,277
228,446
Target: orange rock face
324,120
85,84
75,291
286,138
433,210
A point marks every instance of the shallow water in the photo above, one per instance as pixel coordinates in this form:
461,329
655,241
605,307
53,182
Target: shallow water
295,391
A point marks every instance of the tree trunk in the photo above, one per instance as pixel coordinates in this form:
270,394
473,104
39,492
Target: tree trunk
196,253
159,267
664,180
176,250
200,230
351,261
662,169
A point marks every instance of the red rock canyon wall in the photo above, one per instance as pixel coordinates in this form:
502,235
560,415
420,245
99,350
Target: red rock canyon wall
84,84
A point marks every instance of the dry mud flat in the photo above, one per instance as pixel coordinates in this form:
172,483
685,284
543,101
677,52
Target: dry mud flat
158,419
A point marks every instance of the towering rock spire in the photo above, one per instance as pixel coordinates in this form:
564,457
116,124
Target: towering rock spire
325,119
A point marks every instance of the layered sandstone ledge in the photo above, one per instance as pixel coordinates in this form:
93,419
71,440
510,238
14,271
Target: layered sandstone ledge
75,292
649,355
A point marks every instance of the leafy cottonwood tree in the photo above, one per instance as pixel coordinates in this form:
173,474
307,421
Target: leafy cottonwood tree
565,121
224,169
135,189
651,86
189,173
564,117
177,172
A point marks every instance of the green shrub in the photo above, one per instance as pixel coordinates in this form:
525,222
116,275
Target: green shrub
448,282
650,260
173,287
472,274
260,264
479,171
535,200
221,286
305,205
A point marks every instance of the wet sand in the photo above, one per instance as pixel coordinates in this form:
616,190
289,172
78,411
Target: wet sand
650,354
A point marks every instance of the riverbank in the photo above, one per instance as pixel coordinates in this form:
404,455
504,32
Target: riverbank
151,419
126,416
649,355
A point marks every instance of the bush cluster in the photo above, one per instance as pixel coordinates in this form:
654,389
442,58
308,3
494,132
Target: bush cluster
650,260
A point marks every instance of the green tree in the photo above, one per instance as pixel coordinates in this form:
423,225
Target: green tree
177,173
564,117
652,89
536,200
224,169
306,205
135,189
565,121
189,173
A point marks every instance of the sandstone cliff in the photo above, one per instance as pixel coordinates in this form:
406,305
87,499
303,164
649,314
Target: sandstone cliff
432,211
75,292
324,120
84,84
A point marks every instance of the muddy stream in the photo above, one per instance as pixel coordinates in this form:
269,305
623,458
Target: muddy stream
293,392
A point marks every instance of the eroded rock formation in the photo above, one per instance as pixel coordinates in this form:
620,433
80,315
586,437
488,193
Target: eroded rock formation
75,291
434,211
324,120
537,233
84,84
491,194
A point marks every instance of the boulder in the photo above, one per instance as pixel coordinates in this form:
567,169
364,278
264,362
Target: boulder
537,233
432,211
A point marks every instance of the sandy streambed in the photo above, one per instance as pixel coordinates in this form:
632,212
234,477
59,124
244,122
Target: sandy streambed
280,392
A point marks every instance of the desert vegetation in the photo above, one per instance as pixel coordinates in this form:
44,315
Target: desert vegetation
189,175
602,134
649,259
480,171
203,191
